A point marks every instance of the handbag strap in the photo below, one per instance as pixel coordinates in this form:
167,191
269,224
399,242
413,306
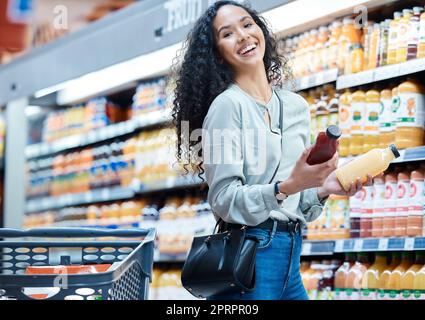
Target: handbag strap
220,221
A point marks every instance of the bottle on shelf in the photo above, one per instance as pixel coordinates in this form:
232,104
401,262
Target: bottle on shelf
390,205
393,288
419,285
378,206
408,278
371,126
386,120
410,115
332,53
421,40
403,192
373,53
353,281
370,280
373,162
355,213
383,42
366,213
403,35
344,113
395,260
358,112
415,221
393,38
413,35
341,275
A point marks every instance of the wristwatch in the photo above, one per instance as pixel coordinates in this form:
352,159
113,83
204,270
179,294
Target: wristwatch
279,195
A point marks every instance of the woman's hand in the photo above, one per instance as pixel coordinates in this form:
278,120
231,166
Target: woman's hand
332,186
304,176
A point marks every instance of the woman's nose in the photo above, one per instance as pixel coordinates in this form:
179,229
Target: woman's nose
242,35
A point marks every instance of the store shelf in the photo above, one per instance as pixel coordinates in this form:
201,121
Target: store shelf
362,245
316,79
102,134
187,181
100,195
381,73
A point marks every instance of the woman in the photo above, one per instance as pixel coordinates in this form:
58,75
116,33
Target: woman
229,83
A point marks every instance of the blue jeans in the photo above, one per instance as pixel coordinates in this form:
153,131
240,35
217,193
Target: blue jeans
277,268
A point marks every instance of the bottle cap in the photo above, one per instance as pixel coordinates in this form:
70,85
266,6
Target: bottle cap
394,150
333,132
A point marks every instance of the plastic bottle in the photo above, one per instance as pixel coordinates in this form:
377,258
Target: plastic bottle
333,105
344,112
403,192
341,275
410,115
386,273
390,205
355,213
349,37
353,281
310,50
403,36
371,127
416,202
373,162
358,112
325,146
370,281
386,120
378,206
383,42
374,47
320,59
332,53
366,213
413,34
408,278
394,281
421,42
393,38
419,285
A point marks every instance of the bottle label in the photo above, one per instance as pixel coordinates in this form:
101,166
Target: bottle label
386,118
406,295
419,294
357,117
372,118
413,33
352,294
411,112
416,200
368,294
378,199
422,31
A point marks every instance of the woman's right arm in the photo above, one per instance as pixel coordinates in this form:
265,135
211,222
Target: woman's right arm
229,195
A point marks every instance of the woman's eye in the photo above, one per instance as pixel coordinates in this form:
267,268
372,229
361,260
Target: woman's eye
248,25
227,34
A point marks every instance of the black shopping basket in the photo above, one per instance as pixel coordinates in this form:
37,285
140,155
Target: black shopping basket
128,277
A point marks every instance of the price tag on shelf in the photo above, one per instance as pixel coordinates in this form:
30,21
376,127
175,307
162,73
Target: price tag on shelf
339,246
319,78
358,245
383,244
105,195
409,244
306,248
386,72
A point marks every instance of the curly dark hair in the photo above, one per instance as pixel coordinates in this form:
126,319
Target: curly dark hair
200,76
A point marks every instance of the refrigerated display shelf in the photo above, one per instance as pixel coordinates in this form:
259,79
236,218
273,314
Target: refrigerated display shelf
99,135
316,79
170,184
100,195
328,247
381,73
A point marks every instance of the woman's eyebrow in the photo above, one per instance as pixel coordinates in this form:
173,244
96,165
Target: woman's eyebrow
227,26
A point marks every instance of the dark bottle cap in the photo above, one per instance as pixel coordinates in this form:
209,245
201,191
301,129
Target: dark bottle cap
394,150
333,132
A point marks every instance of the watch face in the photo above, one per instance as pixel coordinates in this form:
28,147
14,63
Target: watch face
281,196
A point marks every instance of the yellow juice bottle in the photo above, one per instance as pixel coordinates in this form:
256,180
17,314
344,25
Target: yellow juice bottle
370,280
386,273
394,281
403,36
421,41
332,53
344,112
409,131
371,127
386,121
392,39
408,278
358,113
373,47
419,285
373,162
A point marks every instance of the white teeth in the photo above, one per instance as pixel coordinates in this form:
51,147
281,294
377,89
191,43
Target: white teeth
246,49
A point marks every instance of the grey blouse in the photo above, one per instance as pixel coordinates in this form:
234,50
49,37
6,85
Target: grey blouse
241,153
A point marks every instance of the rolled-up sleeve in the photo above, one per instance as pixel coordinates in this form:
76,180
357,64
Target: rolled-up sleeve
229,195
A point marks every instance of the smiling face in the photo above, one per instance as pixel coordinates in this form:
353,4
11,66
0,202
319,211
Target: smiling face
240,41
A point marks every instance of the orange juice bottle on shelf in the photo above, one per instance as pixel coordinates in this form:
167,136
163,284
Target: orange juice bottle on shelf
393,38
333,46
366,213
353,281
408,278
386,120
344,112
373,47
410,115
386,273
341,275
349,37
416,202
413,35
358,113
403,193
320,59
390,205
322,112
370,280
394,281
421,40
367,34
371,127
355,213
419,285
378,205
403,35
356,58
371,163
333,105
311,46
383,42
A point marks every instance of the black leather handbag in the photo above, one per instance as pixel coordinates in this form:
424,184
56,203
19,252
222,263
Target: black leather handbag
223,262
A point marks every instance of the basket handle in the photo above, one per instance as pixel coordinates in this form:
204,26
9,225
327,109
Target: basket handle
72,233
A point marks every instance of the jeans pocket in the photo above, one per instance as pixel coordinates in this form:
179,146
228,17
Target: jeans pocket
264,237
